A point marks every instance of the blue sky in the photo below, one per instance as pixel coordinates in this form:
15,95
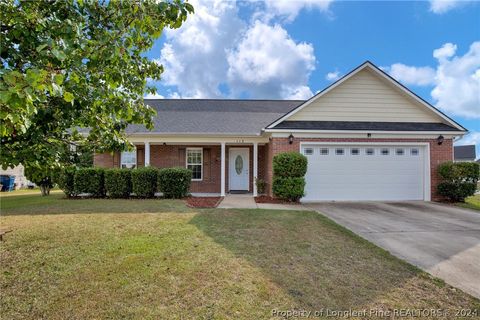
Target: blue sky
292,49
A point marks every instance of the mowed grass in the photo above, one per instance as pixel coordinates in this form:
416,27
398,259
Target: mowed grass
158,259
472,202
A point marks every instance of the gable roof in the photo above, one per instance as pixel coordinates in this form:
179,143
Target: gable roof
382,75
464,152
213,116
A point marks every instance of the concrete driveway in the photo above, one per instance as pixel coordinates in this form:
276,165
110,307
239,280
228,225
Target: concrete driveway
440,239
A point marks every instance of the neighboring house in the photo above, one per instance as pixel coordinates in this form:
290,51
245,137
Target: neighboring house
464,153
17,171
366,137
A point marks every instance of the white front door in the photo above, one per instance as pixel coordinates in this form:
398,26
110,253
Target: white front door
238,169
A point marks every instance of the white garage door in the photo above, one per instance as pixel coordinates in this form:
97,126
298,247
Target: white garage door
364,172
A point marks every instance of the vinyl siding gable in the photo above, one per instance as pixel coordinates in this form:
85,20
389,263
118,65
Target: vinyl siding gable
365,97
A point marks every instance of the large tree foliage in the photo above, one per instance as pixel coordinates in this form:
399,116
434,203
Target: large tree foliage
68,65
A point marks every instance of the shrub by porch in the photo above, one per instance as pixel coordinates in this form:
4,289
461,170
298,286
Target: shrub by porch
289,169
121,183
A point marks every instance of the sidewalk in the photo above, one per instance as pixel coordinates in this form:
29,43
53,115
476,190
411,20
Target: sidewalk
246,201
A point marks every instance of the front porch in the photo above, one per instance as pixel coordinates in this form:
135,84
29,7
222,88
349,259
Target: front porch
218,167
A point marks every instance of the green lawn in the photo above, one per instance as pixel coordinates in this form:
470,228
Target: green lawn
472,202
151,259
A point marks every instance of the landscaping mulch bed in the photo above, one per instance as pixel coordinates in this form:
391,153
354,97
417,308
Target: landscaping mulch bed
267,199
203,202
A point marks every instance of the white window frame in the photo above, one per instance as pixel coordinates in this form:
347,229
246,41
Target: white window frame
355,154
414,152
339,151
382,150
327,151
308,151
128,165
196,164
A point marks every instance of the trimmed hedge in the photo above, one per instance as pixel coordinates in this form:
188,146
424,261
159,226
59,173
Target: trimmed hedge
144,182
459,180
290,188
118,183
459,171
65,179
174,182
90,180
289,169
456,192
290,164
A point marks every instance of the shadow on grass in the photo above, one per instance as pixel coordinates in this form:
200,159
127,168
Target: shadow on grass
59,204
315,261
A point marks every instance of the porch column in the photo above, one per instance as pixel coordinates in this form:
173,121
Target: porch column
147,154
222,169
255,167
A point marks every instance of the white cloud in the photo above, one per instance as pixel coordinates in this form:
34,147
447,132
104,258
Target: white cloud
455,80
194,55
153,96
470,138
297,93
268,63
215,53
409,75
442,6
333,76
289,9
445,52
457,88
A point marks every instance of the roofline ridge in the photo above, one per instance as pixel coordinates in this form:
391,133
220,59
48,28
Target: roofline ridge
215,99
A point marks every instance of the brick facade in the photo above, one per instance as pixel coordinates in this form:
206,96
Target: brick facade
165,156
107,160
438,154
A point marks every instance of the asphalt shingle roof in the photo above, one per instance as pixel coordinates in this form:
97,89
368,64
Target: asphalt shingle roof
214,116
464,152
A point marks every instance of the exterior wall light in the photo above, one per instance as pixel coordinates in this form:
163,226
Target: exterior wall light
440,139
290,139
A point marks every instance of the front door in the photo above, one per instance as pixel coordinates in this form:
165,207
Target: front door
238,169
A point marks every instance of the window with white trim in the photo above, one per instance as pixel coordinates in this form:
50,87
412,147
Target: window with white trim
128,159
339,152
385,151
400,152
370,151
308,151
354,151
194,162
324,151
414,152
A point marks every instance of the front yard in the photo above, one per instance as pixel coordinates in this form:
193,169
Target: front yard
125,259
472,202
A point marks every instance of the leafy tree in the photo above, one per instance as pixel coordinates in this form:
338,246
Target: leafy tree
71,65
42,177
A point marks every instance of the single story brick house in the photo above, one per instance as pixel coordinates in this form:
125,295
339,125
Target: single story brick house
366,137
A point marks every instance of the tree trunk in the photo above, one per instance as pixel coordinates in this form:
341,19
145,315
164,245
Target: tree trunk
45,190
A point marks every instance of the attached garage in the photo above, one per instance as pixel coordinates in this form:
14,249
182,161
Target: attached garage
366,171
